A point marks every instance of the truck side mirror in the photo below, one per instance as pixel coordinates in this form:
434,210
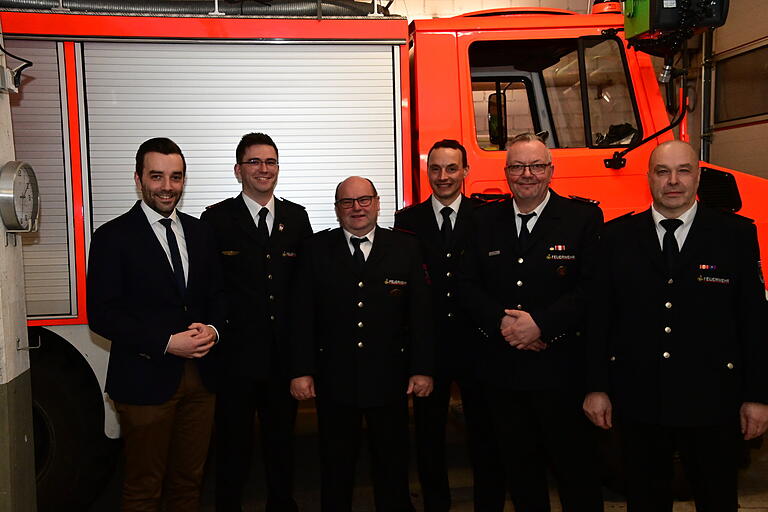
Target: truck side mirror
718,189
497,119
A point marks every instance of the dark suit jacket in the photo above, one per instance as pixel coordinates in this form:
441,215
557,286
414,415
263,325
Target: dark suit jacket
134,302
456,337
714,308
258,279
546,278
362,334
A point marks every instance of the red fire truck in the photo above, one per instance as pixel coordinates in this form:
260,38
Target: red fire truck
341,93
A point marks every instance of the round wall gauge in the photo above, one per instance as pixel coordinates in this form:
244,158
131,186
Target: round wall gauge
19,196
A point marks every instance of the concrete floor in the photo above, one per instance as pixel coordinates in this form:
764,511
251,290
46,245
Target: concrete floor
753,481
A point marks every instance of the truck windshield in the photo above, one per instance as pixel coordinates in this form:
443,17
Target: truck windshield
575,91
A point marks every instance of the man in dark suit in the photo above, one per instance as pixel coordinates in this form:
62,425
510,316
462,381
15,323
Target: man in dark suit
444,224
678,339
362,343
258,238
533,255
153,289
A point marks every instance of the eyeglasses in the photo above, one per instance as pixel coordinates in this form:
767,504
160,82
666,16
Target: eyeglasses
519,169
349,202
269,163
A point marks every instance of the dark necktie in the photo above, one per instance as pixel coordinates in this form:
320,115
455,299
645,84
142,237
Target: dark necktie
178,269
446,229
524,233
357,255
669,243
261,228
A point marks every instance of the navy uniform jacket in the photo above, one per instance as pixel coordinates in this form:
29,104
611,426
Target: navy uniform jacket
684,349
456,338
134,302
257,279
362,334
547,278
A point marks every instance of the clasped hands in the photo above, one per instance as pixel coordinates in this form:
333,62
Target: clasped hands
196,342
520,331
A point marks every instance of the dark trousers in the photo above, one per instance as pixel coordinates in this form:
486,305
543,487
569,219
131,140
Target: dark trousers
534,426
166,446
710,460
430,417
238,401
340,429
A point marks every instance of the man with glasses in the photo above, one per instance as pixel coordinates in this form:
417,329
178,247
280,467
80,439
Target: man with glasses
532,258
259,237
361,344
444,224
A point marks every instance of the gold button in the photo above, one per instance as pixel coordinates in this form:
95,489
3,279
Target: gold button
359,344
269,276
520,260
519,283
666,355
448,274
360,324
448,255
360,304
269,256
729,366
667,330
668,305
670,281
613,358
360,284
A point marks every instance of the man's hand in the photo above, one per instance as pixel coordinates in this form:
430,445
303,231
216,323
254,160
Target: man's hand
754,419
420,385
597,407
303,388
520,331
194,343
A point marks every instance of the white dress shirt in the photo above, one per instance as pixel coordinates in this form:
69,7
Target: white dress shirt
154,219
365,247
437,206
681,233
255,208
532,220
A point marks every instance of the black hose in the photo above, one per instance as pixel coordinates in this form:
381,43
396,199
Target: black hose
169,7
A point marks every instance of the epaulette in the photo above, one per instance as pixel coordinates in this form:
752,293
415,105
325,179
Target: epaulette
291,202
219,203
490,198
620,217
405,208
586,200
403,230
742,218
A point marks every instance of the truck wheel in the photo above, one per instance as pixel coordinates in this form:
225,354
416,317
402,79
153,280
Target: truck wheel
73,457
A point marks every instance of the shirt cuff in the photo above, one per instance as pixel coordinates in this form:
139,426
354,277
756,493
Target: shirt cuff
216,331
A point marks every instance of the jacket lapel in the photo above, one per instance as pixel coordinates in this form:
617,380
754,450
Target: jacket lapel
696,239
150,241
550,217
244,219
649,240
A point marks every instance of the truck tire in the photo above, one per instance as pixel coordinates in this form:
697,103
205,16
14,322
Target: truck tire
73,457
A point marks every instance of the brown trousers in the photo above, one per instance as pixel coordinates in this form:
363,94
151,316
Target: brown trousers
166,446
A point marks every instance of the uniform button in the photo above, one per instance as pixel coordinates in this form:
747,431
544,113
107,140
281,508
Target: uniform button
269,276
578,333
359,344
448,294
402,349
185,308
269,256
271,297
519,283
450,315
360,284
667,329
271,317
448,274
668,305
448,255
670,281
360,304
729,366
519,306
666,355
321,349
360,324
520,260
613,358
